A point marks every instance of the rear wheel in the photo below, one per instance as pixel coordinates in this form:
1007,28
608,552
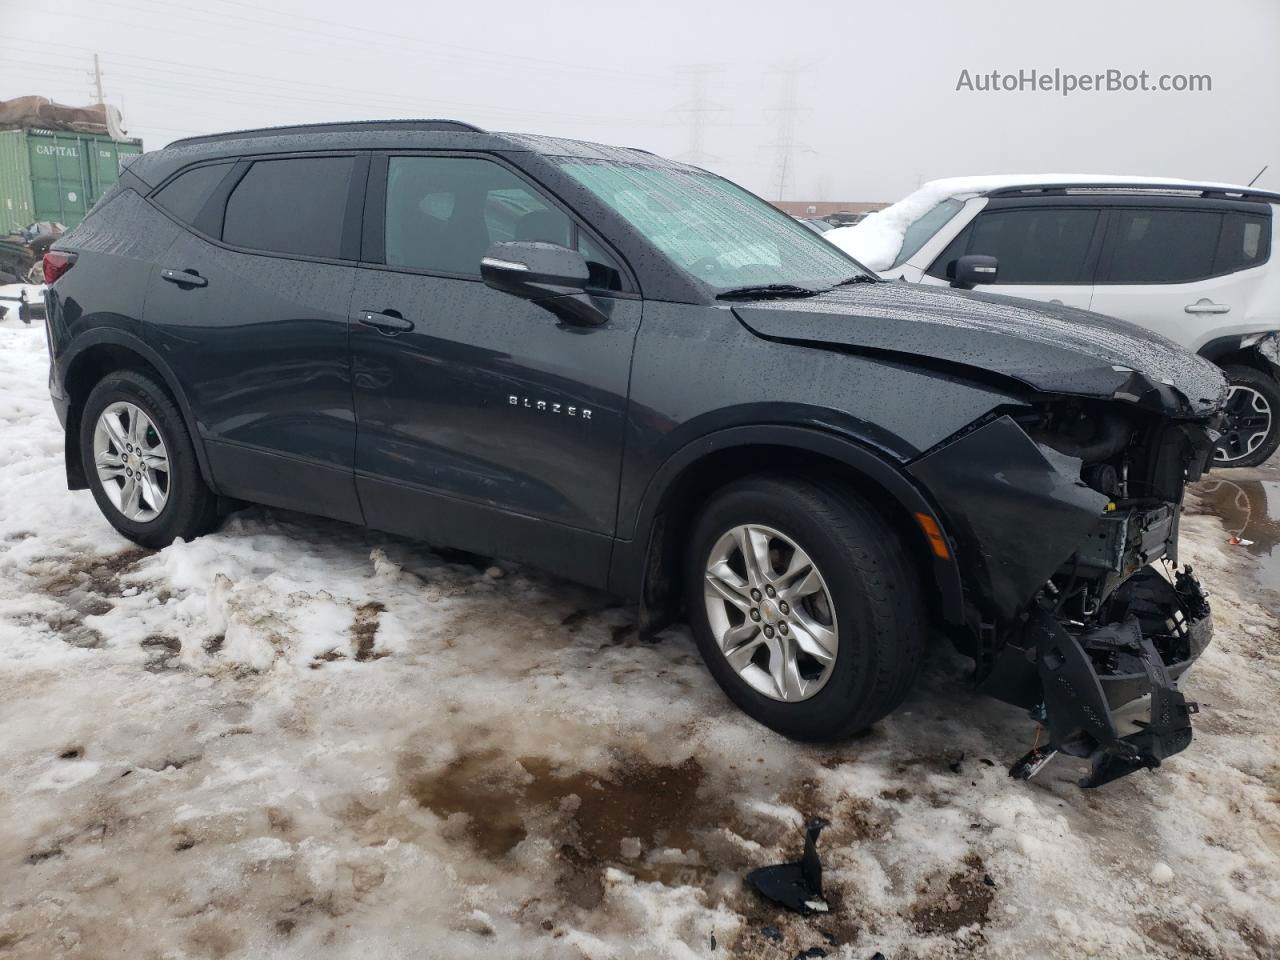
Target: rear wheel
140,463
1251,429
804,606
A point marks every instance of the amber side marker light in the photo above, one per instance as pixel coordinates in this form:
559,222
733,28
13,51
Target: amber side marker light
936,540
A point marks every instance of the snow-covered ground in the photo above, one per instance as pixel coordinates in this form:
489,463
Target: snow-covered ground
300,739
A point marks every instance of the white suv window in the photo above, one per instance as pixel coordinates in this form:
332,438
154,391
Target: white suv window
1160,246
1039,245
925,226
1179,246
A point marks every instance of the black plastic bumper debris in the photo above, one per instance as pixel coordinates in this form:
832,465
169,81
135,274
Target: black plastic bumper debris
797,886
1085,674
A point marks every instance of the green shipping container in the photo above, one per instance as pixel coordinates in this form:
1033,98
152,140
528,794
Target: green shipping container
56,175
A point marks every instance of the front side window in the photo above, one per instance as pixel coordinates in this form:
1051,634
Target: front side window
294,206
443,213
925,226
1041,245
713,229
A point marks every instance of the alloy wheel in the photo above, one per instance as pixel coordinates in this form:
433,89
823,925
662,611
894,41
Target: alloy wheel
132,461
1246,426
771,613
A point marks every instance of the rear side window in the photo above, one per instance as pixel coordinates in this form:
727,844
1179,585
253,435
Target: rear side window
1047,245
294,206
186,195
443,213
1161,246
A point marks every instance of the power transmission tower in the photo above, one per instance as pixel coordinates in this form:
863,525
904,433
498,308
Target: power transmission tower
788,113
96,75
698,108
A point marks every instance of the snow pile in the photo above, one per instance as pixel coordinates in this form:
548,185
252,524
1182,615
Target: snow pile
296,738
877,238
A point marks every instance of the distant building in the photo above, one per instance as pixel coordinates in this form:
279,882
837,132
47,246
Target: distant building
820,209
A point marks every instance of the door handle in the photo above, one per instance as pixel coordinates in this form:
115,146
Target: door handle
1207,306
387,322
184,278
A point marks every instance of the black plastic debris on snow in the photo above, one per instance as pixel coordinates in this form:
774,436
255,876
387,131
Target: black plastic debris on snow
797,886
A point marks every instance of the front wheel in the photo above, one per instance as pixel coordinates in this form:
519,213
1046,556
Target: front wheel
140,463
1251,429
804,606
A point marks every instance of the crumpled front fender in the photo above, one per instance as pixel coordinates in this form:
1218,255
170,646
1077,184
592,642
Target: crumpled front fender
1018,510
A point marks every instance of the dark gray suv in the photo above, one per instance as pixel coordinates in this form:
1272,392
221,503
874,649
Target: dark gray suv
637,375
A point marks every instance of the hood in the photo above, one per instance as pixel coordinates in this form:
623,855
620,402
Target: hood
1050,348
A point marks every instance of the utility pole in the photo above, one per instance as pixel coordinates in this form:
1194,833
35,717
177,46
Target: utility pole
97,79
698,107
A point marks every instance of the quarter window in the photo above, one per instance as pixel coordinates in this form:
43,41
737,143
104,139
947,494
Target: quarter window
186,195
1245,242
1049,245
443,213
1161,246
294,206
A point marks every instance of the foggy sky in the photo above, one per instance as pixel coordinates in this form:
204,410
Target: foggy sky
873,103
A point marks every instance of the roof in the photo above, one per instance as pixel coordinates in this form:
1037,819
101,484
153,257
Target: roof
1021,184
152,168
349,126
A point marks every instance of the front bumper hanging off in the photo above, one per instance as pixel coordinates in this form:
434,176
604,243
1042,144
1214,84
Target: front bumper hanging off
1086,674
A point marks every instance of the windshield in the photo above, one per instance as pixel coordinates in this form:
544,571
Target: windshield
713,229
924,227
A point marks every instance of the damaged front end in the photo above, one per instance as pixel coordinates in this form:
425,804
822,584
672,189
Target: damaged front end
1062,510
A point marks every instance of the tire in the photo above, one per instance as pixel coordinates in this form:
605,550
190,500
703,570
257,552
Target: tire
874,604
189,508
1252,390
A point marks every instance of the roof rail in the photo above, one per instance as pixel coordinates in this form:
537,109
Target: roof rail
1205,191
351,126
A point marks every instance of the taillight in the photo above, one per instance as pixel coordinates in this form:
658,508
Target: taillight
56,263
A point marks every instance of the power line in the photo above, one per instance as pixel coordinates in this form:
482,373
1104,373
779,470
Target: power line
476,57
246,89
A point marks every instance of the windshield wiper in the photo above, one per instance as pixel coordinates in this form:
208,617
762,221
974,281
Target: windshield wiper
860,278
765,290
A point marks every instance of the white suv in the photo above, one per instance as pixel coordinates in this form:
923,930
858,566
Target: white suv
1188,260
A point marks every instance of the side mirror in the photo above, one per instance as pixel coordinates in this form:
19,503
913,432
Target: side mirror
973,269
534,270
547,274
